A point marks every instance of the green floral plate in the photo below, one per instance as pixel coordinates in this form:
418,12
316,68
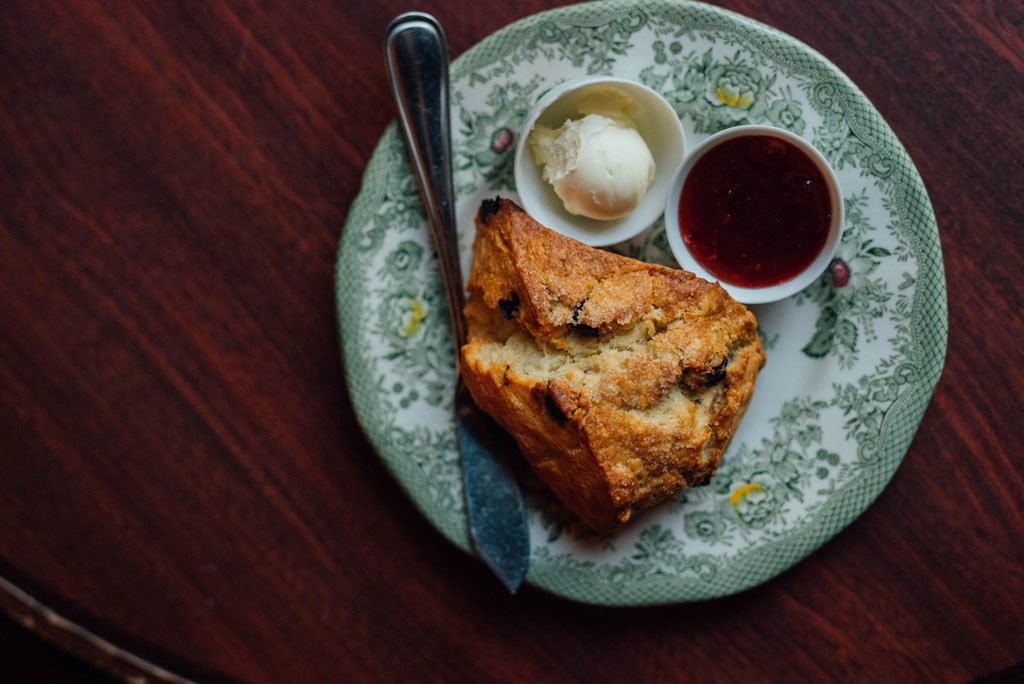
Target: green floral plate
852,360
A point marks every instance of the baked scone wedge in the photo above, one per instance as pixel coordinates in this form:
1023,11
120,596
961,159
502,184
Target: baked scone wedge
621,381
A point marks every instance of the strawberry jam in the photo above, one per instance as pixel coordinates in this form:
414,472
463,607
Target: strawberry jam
755,211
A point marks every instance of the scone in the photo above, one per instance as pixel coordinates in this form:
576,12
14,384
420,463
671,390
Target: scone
621,381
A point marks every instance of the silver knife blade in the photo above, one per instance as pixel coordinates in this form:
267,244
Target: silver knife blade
416,54
494,504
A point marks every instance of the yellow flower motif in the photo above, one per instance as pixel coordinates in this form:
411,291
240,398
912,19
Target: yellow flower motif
739,100
415,318
741,492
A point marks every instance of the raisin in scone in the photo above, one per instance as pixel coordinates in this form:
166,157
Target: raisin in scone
621,381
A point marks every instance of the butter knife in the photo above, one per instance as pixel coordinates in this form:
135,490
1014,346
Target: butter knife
416,53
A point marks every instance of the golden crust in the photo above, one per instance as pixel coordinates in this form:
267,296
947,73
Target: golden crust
621,381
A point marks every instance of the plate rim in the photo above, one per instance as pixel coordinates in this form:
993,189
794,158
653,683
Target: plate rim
929,341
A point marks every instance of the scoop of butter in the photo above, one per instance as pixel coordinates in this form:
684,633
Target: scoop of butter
599,165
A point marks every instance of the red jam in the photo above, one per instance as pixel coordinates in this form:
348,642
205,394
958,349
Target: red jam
755,211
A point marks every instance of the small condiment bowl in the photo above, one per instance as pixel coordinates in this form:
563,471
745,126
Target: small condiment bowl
656,122
777,290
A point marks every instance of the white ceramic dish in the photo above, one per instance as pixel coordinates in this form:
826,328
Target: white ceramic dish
786,288
658,125
852,359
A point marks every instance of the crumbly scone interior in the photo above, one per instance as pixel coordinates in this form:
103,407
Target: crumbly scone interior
639,369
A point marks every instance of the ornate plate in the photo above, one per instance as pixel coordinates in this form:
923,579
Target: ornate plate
852,360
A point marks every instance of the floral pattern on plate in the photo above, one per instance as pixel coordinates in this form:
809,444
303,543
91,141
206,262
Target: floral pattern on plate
852,360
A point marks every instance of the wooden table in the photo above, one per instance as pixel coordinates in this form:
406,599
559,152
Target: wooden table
185,488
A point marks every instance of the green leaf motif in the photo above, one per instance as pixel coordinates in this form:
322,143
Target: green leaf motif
849,311
824,334
846,334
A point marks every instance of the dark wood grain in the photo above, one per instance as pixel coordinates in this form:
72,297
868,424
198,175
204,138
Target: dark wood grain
182,473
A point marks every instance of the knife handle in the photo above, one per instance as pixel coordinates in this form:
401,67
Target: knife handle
416,52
